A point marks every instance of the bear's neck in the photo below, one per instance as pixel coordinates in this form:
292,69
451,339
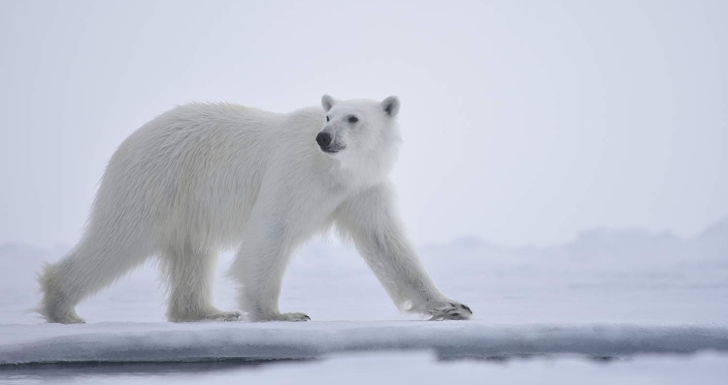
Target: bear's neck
361,172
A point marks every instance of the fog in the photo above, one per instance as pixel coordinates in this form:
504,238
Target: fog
524,122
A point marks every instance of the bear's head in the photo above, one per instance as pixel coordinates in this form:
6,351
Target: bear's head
362,134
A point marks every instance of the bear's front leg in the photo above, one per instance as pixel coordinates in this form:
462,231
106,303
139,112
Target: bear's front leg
371,220
258,269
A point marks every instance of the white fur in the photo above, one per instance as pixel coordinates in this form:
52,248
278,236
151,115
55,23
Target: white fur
205,177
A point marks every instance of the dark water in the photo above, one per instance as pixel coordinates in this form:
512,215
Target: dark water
422,367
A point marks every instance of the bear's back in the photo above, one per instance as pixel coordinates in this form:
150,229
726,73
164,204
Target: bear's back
204,161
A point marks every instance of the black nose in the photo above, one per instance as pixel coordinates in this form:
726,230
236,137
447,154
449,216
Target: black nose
323,139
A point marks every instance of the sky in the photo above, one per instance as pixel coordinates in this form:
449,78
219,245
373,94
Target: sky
524,122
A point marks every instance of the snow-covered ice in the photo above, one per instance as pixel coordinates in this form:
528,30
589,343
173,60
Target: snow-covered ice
130,342
607,293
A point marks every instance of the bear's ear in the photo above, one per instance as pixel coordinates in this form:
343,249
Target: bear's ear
391,105
327,102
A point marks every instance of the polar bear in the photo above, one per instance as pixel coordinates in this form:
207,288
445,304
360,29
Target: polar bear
206,177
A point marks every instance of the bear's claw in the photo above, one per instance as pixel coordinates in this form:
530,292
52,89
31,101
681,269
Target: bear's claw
451,311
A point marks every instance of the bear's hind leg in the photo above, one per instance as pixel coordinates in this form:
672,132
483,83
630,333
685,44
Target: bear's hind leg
91,266
191,280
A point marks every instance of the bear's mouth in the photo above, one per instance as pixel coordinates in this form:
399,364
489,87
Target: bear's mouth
332,150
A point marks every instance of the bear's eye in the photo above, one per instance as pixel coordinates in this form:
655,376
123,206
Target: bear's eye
327,118
353,119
